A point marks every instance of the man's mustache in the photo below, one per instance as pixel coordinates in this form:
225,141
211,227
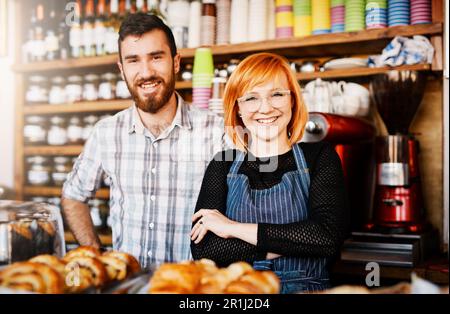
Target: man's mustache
149,79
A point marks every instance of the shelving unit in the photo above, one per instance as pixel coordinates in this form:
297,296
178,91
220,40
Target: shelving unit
330,45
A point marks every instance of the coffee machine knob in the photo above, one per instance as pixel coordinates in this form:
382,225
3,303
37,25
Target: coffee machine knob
313,127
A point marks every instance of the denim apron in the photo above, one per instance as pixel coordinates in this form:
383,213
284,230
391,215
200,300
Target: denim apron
285,202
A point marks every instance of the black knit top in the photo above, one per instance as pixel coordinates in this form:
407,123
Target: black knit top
321,235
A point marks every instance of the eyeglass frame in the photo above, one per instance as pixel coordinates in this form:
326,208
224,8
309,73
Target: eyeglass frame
285,92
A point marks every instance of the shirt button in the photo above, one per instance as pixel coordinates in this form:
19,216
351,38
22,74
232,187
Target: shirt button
153,198
154,170
155,145
150,253
151,225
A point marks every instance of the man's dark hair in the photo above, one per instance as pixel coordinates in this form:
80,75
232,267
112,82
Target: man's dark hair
141,23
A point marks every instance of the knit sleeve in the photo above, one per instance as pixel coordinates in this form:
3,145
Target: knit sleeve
322,234
213,195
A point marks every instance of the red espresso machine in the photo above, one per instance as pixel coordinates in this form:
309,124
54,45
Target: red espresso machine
353,140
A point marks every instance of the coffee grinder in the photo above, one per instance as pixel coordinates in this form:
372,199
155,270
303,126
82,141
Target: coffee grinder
398,203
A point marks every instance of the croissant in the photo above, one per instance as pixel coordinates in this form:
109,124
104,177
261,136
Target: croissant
217,282
82,251
175,278
33,277
133,265
96,270
256,282
115,268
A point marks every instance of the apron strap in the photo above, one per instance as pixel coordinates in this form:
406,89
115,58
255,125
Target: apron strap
240,155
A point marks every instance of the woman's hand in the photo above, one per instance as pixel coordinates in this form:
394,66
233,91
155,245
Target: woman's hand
210,220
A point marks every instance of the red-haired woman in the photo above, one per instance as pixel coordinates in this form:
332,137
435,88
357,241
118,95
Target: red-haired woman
273,202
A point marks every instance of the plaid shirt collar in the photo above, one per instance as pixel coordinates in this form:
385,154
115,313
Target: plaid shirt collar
182,118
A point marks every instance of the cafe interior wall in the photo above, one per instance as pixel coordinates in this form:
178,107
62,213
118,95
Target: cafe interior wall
7,105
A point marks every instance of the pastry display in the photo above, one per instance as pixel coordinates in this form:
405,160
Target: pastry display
80,269
205,277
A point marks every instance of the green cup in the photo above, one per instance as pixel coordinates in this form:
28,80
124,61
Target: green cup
203,61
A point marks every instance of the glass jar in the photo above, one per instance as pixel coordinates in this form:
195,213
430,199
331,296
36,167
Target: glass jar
186,75
107,87
57,93
35,130
57,134
122,90
38,171
90,87
232,66
61,168
75,131
89,123
37,92
74,88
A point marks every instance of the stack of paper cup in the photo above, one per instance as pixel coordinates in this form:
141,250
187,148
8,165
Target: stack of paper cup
420,11
223,21
257,20
398,12
337,16
355,15
239,21
302,18
203,72
321,21
376,14
195,16
284,16
178,21
271,25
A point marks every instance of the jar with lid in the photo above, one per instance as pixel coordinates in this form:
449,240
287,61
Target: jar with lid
61,168
75,131
37,92
107,87
186,75
57,93
232,66
122,90
57,134
90,87
35,130
89,123
74,88
38,171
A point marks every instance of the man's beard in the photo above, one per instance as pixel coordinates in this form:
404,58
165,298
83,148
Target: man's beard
152,104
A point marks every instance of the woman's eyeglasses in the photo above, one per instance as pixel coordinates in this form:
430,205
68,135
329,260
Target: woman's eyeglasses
252,102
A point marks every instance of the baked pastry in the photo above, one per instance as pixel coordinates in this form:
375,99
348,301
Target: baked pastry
33,277
96,271
52,261
204,277
175,279
82,251
217,282
133,265
116,269
256,282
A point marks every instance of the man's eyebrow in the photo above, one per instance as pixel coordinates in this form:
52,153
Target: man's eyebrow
130,57
157,52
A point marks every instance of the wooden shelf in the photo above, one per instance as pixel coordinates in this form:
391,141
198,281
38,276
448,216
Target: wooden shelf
49,191
106,239
310,46
73,150
359,72
86,106
117,105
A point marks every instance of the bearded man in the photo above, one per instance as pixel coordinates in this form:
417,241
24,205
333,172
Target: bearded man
153,154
